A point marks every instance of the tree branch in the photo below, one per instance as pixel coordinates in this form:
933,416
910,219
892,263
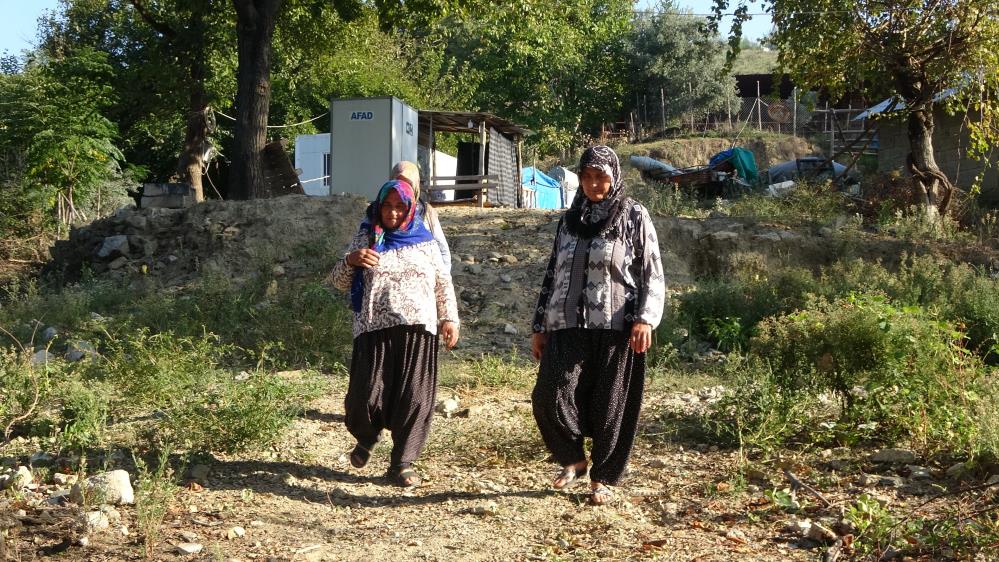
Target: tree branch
165,30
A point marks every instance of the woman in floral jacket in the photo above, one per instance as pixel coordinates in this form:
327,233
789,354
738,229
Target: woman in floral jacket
403,299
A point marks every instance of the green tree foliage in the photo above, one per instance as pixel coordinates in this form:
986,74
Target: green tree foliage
55,137
555,66
675,55
915,49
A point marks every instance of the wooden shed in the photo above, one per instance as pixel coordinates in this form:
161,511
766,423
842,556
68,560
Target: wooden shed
489,164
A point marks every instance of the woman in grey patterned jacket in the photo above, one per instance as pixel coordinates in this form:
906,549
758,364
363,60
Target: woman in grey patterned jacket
601,298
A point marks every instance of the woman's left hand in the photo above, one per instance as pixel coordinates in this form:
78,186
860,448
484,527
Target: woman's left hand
449,333
641,337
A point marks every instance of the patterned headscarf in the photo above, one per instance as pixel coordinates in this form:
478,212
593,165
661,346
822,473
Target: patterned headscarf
410,231
586,218
399,236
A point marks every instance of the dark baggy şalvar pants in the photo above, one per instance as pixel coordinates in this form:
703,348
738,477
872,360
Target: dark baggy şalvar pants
393,385
590,385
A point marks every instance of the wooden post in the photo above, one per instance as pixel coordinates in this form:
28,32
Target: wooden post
482,159
690,95
520,167
759,108
433,154
832,131
662,103
794,110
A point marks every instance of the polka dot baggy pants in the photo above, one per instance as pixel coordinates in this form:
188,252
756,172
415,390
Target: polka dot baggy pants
393,385
590,385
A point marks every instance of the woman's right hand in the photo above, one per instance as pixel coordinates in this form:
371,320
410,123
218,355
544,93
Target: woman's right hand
364,257
538,342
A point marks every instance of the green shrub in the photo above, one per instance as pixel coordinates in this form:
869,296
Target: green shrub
232,416
806,204
85,414
760,413
899,368
24,390
728,310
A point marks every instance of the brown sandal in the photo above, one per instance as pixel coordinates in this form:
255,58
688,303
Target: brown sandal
360,456
404,477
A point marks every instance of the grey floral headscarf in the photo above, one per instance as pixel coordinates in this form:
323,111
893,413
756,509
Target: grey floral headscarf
586,218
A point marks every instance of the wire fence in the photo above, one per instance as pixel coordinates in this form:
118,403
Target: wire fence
834,130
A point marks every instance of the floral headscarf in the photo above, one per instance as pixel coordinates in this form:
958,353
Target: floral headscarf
586,218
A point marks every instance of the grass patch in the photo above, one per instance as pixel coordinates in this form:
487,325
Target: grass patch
488,371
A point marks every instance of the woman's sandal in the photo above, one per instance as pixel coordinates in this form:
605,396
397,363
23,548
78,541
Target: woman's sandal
601,495
568,475
360,456
406,477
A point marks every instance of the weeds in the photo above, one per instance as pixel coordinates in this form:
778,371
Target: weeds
155,491
806,205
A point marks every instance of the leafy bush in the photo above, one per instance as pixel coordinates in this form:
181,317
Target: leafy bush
759,413
728,310
899,370
806,204
231,417
23,388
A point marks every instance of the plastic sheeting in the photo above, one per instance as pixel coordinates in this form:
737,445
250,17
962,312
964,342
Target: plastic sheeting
741,158
547,190
569,181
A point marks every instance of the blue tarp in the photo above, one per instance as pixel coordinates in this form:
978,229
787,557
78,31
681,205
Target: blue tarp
548,190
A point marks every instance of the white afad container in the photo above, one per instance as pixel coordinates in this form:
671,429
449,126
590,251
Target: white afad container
367,137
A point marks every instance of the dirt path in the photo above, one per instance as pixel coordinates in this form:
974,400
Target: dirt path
486,497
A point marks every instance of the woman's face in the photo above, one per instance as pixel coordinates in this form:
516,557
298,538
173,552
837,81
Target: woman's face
596,184
393,211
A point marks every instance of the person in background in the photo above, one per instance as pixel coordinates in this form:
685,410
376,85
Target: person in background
403,300
602,296
410,173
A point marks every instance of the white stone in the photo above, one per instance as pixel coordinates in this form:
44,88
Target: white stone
93,521
817,532
20,479
724,235
189,548
799,526
113,246
188,536
199,473
898,456
78,350
488,508
49,334
110,487
236,532
448,406
510,329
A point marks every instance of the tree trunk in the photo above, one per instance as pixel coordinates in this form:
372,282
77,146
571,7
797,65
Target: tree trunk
192,158
932,186
255,21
